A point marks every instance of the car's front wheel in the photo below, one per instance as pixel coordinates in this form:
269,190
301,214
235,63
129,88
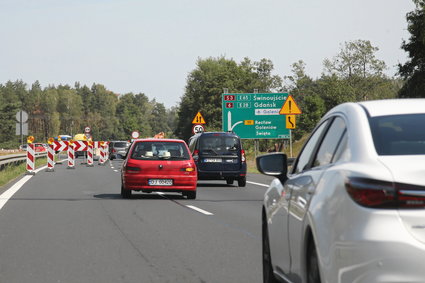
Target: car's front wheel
268,275
125,193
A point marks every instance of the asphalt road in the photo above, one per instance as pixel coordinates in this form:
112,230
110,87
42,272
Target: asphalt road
73,226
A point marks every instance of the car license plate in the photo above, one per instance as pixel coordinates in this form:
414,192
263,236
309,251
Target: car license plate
212,160
160,182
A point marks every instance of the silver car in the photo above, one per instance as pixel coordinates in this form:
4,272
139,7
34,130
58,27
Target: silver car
118,149
352,208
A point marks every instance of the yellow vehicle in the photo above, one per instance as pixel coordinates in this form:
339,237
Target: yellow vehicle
81,137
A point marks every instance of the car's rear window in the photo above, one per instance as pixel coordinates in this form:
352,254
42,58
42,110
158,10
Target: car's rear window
120,144
219,145
158,150
399,134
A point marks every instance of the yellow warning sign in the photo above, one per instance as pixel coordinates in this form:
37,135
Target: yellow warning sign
198,119
290,107
248,122
290,121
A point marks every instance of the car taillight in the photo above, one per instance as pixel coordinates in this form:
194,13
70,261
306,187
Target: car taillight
195,155
130,169
243,158
382,194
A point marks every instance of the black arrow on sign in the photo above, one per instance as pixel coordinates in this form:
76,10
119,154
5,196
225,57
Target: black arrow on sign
290,122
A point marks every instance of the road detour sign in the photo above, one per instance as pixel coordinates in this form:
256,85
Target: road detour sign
255,115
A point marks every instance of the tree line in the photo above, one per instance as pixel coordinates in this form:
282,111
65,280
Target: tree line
63,109
353,74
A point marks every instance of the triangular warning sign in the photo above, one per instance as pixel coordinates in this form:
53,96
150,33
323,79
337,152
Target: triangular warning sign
198,119
290,107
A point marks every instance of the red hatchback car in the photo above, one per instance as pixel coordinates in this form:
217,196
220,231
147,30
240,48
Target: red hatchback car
159,165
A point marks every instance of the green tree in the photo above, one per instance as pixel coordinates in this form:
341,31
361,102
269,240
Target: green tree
306,93
413,71
356,59
158,119
133,114
355,74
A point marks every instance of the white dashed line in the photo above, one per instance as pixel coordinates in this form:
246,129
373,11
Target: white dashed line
199,210
258,184
115,170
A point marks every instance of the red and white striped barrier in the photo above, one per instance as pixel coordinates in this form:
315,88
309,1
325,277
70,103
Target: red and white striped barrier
50,159
71,157
102,158
60,145
90,155
30,159
106,151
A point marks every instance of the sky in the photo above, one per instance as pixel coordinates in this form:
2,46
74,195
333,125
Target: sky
151,46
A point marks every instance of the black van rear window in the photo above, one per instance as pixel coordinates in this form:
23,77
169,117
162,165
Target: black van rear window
219,145
120,144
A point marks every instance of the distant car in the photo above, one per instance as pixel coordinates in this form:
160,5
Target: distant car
118,149
23,147
159,165
219,156
352,209
39,147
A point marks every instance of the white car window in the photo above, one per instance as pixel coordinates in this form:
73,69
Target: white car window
330,142
308,150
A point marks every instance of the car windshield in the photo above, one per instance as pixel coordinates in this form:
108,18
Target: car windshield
219,145
156,150
120,144
399,134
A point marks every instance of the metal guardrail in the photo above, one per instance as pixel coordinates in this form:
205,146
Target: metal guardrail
14,159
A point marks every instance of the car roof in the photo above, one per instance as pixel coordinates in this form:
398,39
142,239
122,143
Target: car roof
217,133
159,140
394,106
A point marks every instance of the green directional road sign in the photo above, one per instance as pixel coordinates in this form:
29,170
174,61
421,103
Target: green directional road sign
254,115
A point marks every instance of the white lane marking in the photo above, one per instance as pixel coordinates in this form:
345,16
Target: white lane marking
258,184
192,207
4,197
115,170
199,210
112,167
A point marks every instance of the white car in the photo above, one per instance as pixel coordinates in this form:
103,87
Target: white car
352,209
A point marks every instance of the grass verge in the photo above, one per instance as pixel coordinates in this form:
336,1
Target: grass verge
11,172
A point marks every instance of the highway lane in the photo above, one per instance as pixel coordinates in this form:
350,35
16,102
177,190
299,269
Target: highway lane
73,226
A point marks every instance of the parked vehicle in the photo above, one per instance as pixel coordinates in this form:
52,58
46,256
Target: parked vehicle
23,147
80,137
159,165
39,147
352,209
219,156
118,149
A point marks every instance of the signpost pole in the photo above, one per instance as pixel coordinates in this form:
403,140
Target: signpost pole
20,127
290,143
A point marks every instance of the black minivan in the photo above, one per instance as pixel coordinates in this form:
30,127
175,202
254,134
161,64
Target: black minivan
219,156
